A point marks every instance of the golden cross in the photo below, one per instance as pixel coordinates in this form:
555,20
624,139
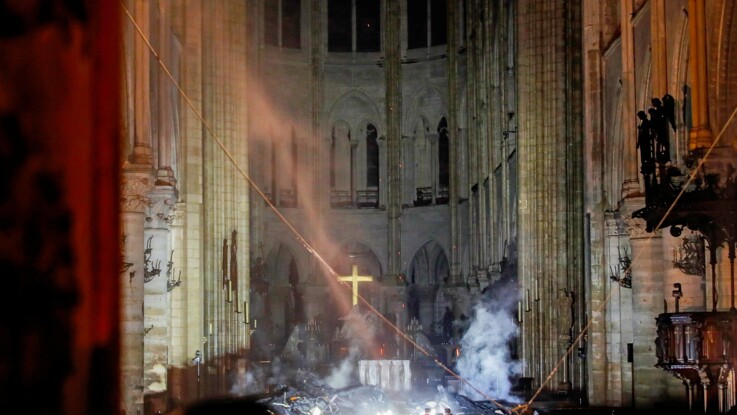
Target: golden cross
355,279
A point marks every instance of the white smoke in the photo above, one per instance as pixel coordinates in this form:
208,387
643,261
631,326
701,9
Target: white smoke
257,379
342,375
485,356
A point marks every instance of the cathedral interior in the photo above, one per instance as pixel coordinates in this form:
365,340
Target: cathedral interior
493,206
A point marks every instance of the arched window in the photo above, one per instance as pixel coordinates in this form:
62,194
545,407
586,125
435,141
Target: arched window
372,157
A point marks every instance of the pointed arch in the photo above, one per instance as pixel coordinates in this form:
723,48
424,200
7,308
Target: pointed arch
284,294
429,103
428,270
353,107
358,252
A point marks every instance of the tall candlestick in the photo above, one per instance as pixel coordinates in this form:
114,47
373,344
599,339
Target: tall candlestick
519,311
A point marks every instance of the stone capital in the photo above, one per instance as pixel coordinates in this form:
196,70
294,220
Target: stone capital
636,228
134,193
159,214
615,226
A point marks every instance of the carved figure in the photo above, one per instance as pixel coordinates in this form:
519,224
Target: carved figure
565,311
659,121
645,144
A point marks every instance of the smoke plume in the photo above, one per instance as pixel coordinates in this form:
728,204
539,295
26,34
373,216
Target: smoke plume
485,360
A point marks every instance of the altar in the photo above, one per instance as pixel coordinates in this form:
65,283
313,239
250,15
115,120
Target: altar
389,375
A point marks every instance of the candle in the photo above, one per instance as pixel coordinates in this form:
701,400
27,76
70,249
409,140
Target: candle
254,323
519,311
210,329
248,314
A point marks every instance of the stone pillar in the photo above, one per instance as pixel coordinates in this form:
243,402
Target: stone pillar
631,185
178,355
156,315
165,173
651,384
658,55
549,141
134,199
700,135
142,153
392,49
454,141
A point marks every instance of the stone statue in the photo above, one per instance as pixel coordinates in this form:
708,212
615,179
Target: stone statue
645,144
564,305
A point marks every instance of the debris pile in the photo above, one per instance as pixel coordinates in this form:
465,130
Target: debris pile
307,394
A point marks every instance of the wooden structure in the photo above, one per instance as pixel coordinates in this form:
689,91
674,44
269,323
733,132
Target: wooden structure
697,347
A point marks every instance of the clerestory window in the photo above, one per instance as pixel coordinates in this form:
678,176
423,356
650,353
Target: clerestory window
282,23
426,23
354,25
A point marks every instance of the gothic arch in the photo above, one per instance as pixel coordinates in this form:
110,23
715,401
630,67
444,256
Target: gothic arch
356,251
353,107
426,273
280,252
429,258
429,103
284,295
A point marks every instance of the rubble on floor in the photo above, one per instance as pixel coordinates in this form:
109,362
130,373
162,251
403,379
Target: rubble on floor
307,394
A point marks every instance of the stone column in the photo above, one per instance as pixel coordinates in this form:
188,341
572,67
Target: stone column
134,200
165,173
393,72
651,384
142,153
178,355
318,154
156,315
631,185
700,135
658,55
454,138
